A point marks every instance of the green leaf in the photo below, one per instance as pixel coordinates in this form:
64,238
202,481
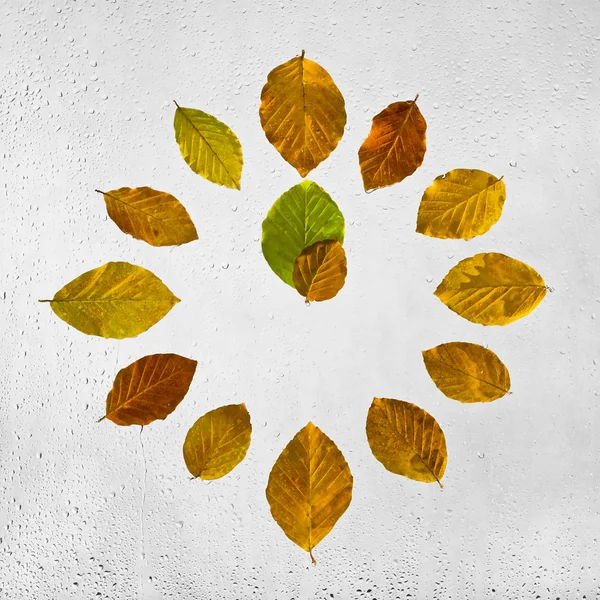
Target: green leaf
117,300
303,215
209,147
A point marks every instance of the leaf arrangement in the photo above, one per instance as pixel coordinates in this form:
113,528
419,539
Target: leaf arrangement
303,116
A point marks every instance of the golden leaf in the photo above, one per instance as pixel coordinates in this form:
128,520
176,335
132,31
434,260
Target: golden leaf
310,487
395,146
302,113
320,271
218,441
118,300
149,215
209,147
149,389
406,440
491,289
467,372
461,204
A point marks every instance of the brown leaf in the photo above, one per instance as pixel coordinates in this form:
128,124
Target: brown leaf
320,271
395,146
149,389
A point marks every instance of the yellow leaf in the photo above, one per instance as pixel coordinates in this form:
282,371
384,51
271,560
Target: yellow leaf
302,113
149,215
395,146
320,271
310,487
406,440
209,147
117,300
461,204
218,441
467,372
149,389
491,289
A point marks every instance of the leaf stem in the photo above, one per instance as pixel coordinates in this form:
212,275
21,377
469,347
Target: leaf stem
312,558
177,105
302,54
100,192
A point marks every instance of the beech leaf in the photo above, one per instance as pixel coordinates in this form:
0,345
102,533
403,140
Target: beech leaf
467,372
218,441
118,300
407,440
302,113
491,289
461,204
155,217
395,146
310,488
209,147
150,388
303,215
320,271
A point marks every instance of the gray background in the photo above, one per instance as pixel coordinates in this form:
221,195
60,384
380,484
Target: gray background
86,511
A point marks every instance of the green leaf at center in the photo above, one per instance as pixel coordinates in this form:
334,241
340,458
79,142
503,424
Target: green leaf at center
303,215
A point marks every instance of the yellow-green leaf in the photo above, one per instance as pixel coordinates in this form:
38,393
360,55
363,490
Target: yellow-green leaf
395,146
209,147
150,388
467,372
406,440
320,271
218,441
302,113
117,300
461,204
491,289
155,217
310,487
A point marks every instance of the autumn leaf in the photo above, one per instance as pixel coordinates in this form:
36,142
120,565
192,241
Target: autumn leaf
406,440
310,488
149,215
302,113
303,215
117,300
395,146
461,204
491,289
320,271
467,372
218,441
148,389
209,147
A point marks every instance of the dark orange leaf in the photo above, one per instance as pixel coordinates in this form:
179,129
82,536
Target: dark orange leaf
149,389
395,146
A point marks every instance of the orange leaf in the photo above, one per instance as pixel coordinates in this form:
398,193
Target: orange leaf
320,271
149,389
395,146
